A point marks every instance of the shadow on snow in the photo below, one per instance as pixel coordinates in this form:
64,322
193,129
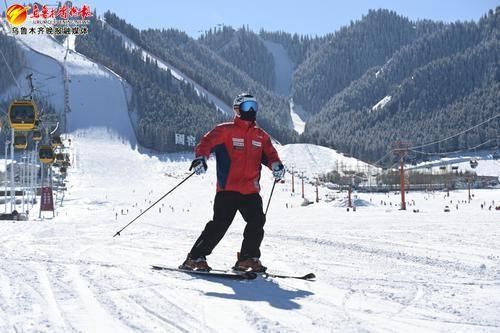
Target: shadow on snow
261,290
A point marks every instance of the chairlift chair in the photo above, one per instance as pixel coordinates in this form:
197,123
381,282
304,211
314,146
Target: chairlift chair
59,158
56,141
46,154
37,135
20,141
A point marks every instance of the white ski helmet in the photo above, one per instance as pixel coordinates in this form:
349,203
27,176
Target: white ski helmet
245,102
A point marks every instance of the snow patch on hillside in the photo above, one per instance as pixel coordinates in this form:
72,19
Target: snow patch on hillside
380,105
298,122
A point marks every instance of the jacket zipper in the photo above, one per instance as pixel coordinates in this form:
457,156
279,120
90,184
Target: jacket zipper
247,149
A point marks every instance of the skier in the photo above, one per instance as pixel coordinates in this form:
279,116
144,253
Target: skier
240,147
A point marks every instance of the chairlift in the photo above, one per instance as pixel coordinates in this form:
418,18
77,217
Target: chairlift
455,167
20,141
46,154
473,163
23,115
442,167
37,135
59,157
56,141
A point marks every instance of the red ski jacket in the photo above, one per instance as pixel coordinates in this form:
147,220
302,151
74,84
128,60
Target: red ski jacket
240,148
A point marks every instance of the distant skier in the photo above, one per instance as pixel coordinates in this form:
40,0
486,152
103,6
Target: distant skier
240,147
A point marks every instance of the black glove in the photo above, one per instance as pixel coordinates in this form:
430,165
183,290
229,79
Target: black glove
278,170
199,165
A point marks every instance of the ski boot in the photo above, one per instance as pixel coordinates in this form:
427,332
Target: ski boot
195,264
249,265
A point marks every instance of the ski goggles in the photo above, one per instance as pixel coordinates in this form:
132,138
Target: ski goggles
249,106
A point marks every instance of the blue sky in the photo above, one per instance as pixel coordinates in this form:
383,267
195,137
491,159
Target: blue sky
313,17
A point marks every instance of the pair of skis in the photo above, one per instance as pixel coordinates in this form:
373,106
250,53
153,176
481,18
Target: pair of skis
235,275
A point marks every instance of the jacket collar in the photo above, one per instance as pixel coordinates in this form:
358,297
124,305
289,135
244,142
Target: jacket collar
244,124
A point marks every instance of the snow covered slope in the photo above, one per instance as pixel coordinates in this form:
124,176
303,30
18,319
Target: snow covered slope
47,76
97,96
315,160
378,269
283,67
283,74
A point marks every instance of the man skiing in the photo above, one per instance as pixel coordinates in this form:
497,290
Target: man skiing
240,148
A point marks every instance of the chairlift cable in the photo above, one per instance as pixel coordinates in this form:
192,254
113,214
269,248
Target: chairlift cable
456,151
455,135
10,70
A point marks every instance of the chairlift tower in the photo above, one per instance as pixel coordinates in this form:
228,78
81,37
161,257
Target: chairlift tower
400,149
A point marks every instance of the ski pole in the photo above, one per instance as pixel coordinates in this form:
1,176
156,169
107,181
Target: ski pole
271,195
176,186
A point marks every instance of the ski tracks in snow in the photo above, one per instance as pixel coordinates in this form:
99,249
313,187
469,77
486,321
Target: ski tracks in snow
436,291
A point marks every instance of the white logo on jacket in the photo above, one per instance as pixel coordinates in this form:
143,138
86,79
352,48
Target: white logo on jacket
238,142
256,143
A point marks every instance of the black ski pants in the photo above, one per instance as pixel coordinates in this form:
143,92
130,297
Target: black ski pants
226,204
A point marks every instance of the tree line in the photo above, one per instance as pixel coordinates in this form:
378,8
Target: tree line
211,71
164,105
439,85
